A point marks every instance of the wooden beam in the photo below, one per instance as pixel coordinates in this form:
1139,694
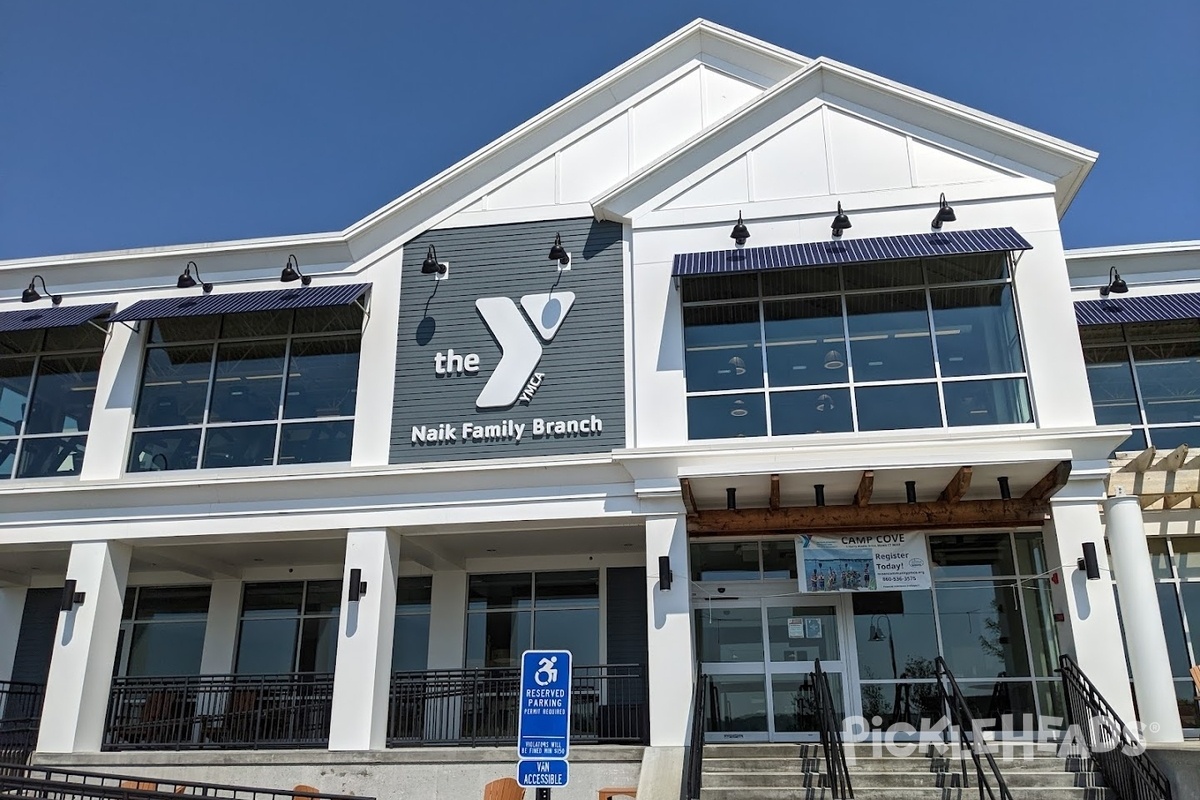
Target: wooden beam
865,486
1173,499
1050,483
1147,499
957,486
892,516
1173,460
689,499
774,492
1141,462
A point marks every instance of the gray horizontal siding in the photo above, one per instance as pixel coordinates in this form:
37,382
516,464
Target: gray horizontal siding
584,365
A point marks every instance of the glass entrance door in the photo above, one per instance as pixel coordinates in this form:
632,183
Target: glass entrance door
760,655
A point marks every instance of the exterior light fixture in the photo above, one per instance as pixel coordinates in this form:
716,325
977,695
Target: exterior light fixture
558,252
665,576
840,223
731,498
738,365
910,491
431,265
30,295
819,493
1089,563
1116,284
944,214
291,272
186,281
357,588
833,360
740,232
824,403
739,409
70,597
1005,491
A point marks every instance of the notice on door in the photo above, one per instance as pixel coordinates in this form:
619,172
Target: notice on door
879,562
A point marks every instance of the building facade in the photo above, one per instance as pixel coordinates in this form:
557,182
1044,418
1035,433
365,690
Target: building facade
330,513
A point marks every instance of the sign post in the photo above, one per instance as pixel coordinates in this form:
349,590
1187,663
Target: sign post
544,720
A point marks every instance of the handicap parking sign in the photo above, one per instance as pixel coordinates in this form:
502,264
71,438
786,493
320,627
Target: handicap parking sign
544,710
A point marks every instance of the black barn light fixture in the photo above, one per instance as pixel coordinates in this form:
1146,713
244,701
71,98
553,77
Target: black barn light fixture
559,253
186,281
30,295
740,232
291,272
1116,284
431,265
944,214
840,223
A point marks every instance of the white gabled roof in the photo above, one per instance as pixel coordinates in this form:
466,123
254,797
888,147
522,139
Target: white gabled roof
1062,162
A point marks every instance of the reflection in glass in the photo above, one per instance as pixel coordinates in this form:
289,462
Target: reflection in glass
577,630
241,446
1172,622
63,394
977,330
1187,558
166,649
174,386
410,643
895,634
805,341
316,442
803,633
267,646
51,457
723,347
889,336
1160,561
497,638
729,634
981,555
504,590
318,645
153,451
982,635
322,378
889,408
811,411
996,402
795,703
726,416
247,383
779,559
905,702
741,704
724,561
1110,380
16,375
1039,621
1169,377
993,701
1170,438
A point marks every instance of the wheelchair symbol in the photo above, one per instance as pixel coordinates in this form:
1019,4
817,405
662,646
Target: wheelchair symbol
546,667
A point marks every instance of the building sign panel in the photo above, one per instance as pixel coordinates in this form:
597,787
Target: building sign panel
509,355
867,562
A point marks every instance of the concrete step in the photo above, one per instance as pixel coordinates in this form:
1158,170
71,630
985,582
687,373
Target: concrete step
871,750
897,780
921,764
1019,793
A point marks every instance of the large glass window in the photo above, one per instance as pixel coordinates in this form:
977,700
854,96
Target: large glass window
410,644
162,630
288,626
47,388
240,390
1145,375
510,613
924,343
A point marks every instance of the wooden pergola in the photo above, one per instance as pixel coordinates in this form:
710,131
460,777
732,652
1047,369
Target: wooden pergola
949,511
1162,480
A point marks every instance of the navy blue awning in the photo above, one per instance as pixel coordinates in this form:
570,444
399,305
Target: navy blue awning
1155,308
850,251
28,319
242,302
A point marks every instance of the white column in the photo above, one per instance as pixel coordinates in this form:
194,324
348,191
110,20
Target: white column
1091,633
84,649
377,364
669,622
116,386
1144,638
364,655
221,628
447,620
12,607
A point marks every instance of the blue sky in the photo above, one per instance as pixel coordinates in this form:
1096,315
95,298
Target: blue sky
133,124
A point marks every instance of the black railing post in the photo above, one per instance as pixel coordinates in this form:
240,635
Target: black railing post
830,729
693,762
991,783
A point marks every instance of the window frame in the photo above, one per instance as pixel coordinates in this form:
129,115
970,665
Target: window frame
300,615
849,385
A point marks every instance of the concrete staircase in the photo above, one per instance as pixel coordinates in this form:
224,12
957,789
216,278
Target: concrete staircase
797,772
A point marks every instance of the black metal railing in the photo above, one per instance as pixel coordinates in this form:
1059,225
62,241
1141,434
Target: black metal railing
990,781
1117,752
693,761
471,707
18,780
830,723
219,712
20,713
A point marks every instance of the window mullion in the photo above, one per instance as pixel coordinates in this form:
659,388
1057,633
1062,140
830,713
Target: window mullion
762,345
1137,393
283,387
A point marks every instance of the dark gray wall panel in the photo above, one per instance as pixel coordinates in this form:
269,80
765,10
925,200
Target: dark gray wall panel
583,364
35,642
627,635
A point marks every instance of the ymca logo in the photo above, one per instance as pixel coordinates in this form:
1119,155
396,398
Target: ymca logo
520,350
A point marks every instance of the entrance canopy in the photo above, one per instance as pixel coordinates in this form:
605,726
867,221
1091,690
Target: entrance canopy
1155,308
242,302
849,251
28,319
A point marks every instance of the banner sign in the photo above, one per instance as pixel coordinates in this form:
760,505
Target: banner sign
878,562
